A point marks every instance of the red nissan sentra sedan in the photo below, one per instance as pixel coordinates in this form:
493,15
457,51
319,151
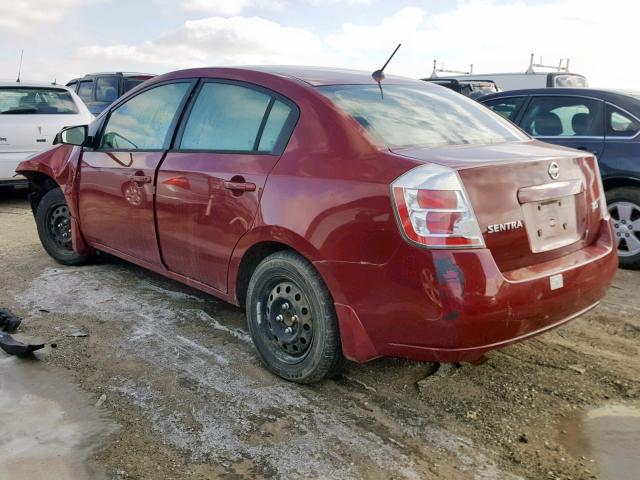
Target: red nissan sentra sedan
350,218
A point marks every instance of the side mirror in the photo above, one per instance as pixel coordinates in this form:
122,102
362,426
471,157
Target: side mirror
72,136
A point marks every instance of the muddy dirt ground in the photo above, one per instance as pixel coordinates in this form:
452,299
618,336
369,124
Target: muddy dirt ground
186,396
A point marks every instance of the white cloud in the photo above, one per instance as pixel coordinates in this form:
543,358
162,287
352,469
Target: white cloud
493,35
498,37
25,17
216,41
227,7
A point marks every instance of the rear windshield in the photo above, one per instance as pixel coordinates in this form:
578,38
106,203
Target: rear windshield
16,100
415,116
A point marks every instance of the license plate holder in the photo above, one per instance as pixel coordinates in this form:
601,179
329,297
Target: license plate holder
551,223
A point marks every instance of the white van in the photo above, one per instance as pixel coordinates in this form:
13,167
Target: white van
31,114
561,77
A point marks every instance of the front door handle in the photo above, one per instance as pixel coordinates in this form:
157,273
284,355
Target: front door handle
240,186
140,178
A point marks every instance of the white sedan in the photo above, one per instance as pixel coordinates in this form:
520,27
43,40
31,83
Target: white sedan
31,114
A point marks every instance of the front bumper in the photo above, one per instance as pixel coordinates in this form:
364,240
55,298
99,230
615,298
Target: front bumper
449,306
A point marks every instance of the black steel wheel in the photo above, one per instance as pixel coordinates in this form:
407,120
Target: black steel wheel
292,319
288,321
59,220
53,220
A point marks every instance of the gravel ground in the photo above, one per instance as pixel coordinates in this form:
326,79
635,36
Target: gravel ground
187,397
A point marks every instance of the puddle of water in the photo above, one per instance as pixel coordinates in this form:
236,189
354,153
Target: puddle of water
48,428
610,435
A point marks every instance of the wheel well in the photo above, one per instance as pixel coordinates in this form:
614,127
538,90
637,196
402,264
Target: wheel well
250,261
39,185
610,183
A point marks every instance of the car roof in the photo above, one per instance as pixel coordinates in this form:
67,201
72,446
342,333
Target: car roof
315,76
33,85
622,97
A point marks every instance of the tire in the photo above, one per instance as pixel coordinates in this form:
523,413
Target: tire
54,229
286,292
624,206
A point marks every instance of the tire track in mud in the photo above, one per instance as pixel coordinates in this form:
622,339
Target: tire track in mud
232,410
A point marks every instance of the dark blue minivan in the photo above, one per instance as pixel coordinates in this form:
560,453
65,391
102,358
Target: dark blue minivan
603,122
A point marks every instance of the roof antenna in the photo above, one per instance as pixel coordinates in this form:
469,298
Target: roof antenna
20,67
378,75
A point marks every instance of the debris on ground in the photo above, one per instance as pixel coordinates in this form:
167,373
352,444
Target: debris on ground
101,400
14,347
78,334
9,322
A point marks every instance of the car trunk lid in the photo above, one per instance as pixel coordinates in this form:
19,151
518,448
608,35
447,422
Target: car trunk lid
533,202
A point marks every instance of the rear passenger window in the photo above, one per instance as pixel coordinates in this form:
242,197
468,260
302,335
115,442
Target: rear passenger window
506,107
621,124
85,92
559,116
278,117
143,122
229,118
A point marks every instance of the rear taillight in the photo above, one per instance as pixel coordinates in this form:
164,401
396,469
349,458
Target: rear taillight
433,209
604,210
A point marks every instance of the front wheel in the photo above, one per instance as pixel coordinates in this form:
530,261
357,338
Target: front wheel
624,207
53,220
292,319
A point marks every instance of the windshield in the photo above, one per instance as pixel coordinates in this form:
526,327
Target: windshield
26,100
414,116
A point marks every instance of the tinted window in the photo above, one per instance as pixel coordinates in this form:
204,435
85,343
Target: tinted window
86,90
129,83
621,124
107,89
404,116
506,107
273,128
73,85
142,123
36,101
563,117
225,117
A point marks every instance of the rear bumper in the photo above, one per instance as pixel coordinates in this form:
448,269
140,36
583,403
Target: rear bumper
447,306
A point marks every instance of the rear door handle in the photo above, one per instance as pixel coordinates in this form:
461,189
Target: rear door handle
240,186
141,178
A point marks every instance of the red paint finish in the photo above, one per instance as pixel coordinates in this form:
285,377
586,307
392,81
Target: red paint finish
115,201
328,198
203,210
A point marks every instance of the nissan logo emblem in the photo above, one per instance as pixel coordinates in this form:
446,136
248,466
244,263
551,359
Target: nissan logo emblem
554,170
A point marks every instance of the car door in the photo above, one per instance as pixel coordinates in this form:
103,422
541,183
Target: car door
570,121
117,175
209,184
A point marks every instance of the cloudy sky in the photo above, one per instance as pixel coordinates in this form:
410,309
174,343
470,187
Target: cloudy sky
67,38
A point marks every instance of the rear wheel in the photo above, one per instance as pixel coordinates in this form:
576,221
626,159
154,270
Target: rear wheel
53,220
292,319
624,207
